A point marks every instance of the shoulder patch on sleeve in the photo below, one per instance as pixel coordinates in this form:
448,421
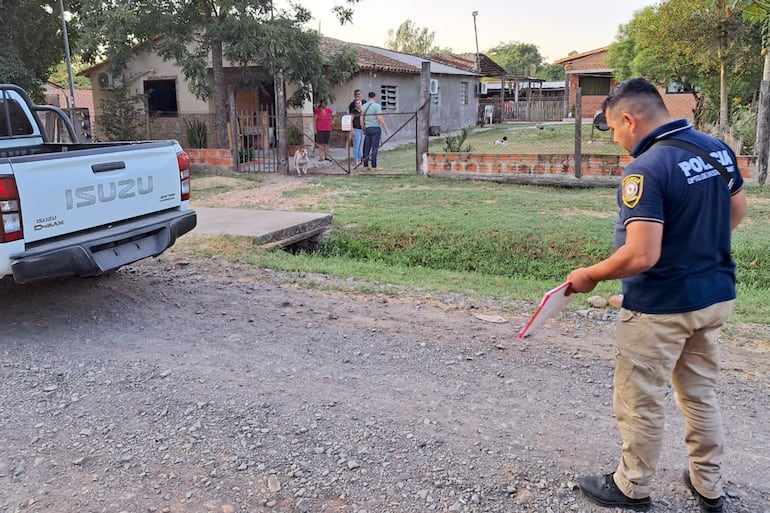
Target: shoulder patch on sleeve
632,187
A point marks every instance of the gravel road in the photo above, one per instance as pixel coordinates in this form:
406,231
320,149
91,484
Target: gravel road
177,385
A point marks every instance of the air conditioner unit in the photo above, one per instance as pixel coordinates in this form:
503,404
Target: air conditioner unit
433,86
107,81
481,88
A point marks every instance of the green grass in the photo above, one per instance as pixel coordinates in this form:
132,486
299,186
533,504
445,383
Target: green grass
483,239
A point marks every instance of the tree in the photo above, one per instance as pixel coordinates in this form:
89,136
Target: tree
198,34
121,118
551,72
677,41
759,12
411,39
516,58
60,76
31,43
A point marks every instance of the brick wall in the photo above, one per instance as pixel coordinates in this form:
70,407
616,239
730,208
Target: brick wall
211,157
491,165
167,128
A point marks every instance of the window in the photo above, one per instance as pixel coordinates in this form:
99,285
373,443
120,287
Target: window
161,97
678,87
463,93
595,86
13,119
389,98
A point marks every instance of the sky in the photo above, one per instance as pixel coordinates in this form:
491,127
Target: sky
556,27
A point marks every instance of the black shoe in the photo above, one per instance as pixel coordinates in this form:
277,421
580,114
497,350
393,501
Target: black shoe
603,491
706,505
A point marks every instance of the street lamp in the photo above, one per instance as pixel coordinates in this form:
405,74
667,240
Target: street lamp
475,32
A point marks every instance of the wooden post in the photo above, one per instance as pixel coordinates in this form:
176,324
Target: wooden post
502,99
233,128
763,132
566,95
423,114
578,132
281,122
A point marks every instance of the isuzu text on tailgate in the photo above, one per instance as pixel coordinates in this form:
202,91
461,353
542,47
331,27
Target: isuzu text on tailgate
85,209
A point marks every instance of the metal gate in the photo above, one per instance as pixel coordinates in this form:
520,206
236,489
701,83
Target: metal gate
301,132
257,144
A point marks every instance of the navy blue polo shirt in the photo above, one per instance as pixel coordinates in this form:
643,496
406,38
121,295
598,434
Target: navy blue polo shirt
679,190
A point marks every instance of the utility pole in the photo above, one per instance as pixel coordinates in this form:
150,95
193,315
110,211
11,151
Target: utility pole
475,33
73,116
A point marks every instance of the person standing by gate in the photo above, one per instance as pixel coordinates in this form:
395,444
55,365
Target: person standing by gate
373,123
323,129
358,133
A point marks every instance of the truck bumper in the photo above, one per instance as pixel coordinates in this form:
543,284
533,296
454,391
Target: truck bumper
103,250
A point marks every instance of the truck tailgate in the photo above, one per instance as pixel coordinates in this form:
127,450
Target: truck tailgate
76,190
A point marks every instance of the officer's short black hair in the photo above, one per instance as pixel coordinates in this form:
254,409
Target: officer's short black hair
640,90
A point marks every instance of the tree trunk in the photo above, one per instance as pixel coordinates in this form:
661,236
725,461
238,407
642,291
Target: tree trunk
697,111
724,112
220,95
762,146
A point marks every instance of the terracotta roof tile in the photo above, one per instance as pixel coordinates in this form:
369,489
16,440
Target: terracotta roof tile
581,55
368,59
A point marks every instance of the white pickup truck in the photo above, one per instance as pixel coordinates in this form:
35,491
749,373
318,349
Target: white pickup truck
85,209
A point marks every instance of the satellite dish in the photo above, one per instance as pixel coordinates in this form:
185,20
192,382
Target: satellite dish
600,121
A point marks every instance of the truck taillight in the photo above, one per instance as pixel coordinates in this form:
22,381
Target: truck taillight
10,210
184,173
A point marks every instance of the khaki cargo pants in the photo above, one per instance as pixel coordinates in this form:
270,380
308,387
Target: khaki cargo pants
651,351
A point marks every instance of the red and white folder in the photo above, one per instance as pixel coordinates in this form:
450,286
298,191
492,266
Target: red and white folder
553,302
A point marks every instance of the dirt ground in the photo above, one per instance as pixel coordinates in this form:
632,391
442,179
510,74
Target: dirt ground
184,385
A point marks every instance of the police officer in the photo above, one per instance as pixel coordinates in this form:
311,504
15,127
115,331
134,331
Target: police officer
673,254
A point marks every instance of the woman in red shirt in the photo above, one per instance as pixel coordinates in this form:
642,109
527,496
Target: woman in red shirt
323,129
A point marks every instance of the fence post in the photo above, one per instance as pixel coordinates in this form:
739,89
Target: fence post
280,123
234,142
578,132
423,114
763,130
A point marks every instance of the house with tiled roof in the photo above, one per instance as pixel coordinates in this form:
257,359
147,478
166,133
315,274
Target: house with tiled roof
393,76
589,72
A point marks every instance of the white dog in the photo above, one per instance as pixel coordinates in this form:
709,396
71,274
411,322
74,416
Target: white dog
301,161
502,140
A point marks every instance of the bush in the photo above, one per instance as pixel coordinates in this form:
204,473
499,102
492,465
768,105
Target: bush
454,143
197,133
121,117
294,135
745,127
245,154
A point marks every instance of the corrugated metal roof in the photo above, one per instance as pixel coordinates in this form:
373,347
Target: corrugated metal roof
467,61
559,84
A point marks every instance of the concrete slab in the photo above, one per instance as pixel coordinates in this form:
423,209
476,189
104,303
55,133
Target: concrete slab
266,226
